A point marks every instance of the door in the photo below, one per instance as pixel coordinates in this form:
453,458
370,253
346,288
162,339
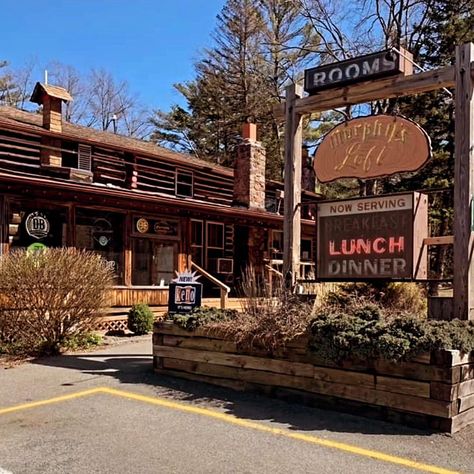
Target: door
165,259
154,262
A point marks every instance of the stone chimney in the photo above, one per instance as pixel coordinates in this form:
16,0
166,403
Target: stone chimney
51,98
249,171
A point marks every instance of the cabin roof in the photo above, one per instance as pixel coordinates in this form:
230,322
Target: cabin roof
33,121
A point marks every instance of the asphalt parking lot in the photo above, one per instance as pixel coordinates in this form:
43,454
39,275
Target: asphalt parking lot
107,411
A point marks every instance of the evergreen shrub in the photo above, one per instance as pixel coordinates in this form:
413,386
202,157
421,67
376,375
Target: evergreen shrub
140,319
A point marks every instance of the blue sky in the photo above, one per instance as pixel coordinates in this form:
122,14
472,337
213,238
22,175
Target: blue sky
151,44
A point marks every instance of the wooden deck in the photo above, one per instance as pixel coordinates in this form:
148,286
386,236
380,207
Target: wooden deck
115,318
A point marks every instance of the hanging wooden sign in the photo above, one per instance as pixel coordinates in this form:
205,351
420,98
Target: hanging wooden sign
372,147
380,237
362,68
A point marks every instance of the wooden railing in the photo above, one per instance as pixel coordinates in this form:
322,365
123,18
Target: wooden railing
224,289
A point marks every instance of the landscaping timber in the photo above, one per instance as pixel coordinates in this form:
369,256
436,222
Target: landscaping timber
433,391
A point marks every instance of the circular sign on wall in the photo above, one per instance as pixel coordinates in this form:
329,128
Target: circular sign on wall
142,225
37,225
36,247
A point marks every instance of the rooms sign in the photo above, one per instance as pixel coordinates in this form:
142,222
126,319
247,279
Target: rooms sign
362,68
373,238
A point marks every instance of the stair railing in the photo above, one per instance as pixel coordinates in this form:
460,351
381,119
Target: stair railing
224,289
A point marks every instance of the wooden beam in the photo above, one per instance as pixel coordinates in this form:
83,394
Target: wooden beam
292,203
397,86
127,250
463,281
442,240
4,217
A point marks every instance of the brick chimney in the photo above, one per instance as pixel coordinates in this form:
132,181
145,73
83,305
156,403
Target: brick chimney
51,98
249,171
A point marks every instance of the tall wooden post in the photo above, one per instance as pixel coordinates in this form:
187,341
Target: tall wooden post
463,281
127,250
292,207
3,225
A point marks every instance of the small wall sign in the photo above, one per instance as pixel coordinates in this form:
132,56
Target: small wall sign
373,238
37,225
362,68
36,247
142,225
185,293
371,147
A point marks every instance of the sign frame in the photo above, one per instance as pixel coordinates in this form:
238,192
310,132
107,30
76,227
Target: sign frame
418,232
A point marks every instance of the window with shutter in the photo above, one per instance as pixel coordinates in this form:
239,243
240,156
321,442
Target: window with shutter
85,158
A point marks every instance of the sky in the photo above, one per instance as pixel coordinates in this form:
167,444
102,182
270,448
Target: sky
152,44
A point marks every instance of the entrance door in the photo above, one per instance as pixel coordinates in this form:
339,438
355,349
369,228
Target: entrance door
154,262
164,262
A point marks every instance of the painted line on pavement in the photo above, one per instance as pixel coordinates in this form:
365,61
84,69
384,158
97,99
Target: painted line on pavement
49,401
377,455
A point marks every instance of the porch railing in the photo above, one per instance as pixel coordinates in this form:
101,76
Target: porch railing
223,288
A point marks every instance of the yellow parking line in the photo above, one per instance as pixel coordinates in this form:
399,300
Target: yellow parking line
49,401
377,455
280,432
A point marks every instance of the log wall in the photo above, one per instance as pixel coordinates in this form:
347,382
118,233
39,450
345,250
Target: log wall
435,391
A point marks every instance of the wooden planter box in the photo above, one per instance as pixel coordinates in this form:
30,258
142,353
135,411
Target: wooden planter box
434,391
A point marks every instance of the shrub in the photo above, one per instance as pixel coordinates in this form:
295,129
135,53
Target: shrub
268,321
405,297
49,296
362,330
82,341
140,319
203,316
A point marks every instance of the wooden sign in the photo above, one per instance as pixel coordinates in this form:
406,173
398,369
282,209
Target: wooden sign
362,68
372,238
371,147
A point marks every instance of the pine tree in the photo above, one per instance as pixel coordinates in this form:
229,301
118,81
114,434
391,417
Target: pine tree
259,47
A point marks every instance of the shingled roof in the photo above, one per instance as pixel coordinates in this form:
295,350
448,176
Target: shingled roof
33,122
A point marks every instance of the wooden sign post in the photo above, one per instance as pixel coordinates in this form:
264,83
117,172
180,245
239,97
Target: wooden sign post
463,281
459,76
292,203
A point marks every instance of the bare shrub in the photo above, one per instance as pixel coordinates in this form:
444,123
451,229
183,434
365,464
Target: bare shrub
268,321
396,298
49,296
406,298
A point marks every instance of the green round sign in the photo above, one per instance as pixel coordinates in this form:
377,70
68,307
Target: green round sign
35,247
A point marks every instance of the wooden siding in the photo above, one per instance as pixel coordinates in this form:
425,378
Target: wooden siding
19,152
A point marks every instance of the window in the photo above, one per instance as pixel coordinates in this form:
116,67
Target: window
184,183
43,223
197,242
276,245
306,250
102,232
214,245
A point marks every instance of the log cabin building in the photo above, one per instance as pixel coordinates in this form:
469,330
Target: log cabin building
147,210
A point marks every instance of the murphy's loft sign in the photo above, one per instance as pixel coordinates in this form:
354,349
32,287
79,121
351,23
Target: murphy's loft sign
371,147
372,238
362,68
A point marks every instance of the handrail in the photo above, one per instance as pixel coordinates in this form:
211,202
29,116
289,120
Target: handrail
280,274
224,289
